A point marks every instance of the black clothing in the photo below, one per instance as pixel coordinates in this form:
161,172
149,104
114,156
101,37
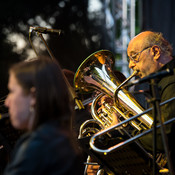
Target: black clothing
167,91
44,151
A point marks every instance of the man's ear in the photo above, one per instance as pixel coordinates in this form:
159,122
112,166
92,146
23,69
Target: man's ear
156,51
33,96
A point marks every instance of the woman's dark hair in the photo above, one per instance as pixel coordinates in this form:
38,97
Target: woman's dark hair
52,96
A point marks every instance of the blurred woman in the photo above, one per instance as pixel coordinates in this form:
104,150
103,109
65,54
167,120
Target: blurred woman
38,102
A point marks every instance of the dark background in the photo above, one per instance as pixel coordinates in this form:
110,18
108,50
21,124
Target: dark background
159,15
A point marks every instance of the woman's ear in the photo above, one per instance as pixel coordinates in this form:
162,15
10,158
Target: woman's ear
156,51
33,96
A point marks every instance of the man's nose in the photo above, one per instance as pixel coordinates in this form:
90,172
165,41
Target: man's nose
131,64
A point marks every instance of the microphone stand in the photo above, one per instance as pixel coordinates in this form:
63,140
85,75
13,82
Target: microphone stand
49,51
71,89
157,113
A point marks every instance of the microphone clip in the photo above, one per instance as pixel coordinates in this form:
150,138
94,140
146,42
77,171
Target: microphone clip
45,30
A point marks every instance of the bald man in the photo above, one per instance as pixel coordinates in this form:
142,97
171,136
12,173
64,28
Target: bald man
150,52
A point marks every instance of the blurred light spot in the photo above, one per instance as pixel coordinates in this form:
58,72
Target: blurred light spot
31,21
18,40
95,38
61,4
94,5
52,20
72,27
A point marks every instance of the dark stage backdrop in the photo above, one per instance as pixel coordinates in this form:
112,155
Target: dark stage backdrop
159,16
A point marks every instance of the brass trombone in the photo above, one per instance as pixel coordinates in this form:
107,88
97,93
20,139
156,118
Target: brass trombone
112,148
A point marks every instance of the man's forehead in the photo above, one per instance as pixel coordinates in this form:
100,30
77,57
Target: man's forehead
135,45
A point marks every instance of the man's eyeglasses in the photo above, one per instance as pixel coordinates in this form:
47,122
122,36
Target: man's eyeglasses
135,58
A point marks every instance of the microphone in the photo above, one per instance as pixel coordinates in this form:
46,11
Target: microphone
44,30
151,76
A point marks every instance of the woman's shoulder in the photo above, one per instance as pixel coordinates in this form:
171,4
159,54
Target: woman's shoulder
46,146
48,131
47,137
37,156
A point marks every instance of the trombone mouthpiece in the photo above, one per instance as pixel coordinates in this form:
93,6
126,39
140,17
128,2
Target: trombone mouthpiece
135,73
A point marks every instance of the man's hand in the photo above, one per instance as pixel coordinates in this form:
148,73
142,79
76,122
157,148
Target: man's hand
107,100
92,169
